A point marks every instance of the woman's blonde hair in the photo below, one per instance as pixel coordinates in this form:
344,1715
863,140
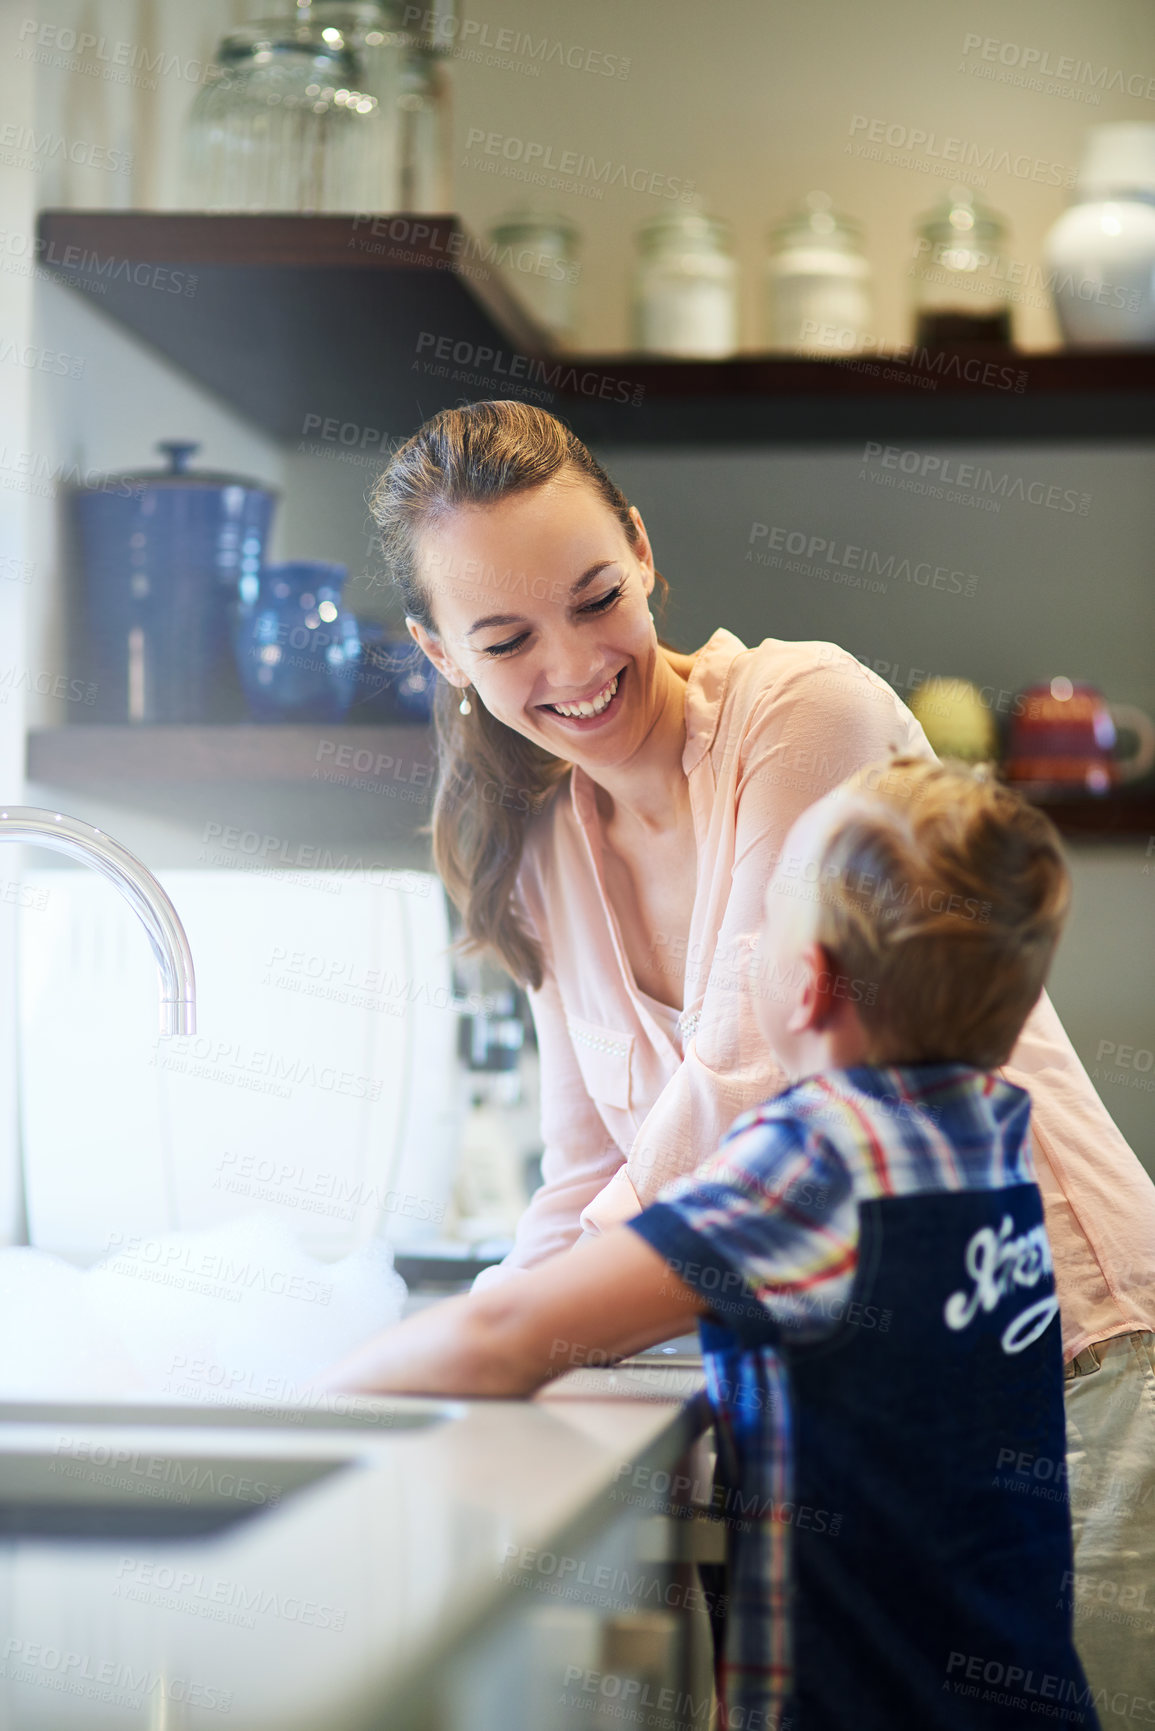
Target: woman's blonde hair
491,779
943,893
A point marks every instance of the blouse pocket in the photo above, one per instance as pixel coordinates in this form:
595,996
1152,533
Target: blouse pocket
603,1056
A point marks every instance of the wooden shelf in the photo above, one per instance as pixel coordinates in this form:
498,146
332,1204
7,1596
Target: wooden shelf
371,324
958,395
1117,815
367,758
297,320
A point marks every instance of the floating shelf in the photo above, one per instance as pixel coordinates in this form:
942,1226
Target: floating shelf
940,395
365,326
1104,819
81,756
366,757
296,320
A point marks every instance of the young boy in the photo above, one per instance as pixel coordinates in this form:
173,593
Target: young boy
867,1257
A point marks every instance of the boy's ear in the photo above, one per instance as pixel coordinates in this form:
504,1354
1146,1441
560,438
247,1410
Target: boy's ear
815,1003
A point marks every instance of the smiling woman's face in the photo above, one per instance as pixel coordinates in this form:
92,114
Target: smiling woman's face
540,600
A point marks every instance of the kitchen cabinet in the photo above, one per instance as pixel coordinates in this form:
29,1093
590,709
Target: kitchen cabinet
614,1629
426,1566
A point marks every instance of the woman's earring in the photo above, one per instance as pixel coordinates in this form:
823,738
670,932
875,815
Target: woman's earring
465,707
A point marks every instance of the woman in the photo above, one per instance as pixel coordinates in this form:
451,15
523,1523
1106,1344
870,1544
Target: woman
608,814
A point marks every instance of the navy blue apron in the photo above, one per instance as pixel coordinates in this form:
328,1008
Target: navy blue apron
932,1422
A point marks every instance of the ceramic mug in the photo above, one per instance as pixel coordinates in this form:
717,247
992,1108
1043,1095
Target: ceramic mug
1064,735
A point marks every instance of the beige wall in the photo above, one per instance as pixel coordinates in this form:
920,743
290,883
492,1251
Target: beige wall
754,102
1053,592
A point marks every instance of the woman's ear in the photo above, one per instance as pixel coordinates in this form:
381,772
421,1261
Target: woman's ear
433,648
642,550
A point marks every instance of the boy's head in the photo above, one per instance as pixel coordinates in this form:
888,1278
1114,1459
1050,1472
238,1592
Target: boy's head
911,919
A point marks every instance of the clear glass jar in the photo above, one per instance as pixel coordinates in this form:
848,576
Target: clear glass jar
426,138
962,291
685,288
536,254
301,114
818,282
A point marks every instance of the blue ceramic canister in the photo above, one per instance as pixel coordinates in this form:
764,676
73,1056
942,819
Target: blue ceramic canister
162,557
397,680
298,649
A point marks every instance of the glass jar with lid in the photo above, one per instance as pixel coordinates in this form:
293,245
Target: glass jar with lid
536,253
426,142
301,113
818,282
962,292
685,287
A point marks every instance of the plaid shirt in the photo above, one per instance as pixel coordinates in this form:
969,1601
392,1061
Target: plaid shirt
768,1230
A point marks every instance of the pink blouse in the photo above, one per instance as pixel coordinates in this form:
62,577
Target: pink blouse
634,1095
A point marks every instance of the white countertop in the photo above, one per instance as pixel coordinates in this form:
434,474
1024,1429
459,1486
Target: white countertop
337,1601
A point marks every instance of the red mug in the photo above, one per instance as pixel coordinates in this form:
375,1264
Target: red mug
1064,736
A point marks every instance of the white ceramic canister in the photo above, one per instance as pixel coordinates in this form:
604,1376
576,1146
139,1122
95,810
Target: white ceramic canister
1100,255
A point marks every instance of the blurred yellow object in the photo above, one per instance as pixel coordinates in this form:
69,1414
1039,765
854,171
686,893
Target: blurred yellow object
956,720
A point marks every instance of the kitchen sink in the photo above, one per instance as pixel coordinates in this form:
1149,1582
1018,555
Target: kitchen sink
86,1490
331,1412
99,1469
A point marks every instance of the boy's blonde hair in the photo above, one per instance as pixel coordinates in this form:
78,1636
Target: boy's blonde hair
947,892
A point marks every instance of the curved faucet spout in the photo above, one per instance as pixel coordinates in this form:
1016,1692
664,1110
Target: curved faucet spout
81,841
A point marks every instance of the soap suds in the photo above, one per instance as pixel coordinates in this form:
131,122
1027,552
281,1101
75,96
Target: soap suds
237,1313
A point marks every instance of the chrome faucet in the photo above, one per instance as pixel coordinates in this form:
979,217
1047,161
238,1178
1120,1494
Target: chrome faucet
80,841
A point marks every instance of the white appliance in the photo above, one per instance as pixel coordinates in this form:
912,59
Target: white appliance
321,1085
